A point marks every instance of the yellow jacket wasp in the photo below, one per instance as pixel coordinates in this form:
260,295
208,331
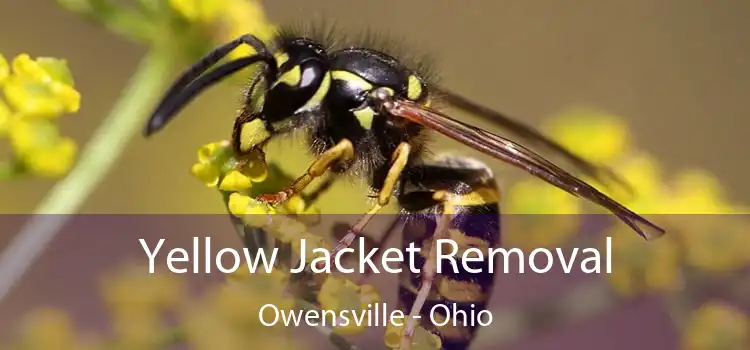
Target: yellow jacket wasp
366,113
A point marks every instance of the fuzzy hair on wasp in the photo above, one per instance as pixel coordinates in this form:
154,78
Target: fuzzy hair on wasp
366,113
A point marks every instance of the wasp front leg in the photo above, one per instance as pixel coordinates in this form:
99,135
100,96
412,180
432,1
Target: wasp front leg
342,152
398,163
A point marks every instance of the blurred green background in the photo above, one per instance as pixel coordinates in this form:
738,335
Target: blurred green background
675,70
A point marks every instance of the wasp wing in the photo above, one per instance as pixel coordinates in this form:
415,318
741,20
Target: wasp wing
596,172
519,156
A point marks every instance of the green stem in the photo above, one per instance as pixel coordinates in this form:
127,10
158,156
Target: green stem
97,159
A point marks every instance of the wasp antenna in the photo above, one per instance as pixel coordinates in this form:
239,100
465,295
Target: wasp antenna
183,91
185,96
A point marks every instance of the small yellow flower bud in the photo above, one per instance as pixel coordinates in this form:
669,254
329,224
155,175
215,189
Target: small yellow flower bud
235,181
295,205
53,161
24,66
238,203
205,172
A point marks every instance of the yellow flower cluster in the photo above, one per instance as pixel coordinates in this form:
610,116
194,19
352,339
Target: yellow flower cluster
137,302
230,18
228,318
642,267
142,304
36,93
339,294
716,325
691,205
422,340
217,167
539,215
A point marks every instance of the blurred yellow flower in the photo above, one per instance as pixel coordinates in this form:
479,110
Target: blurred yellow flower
715,243
48,329
539,215
338,294
4,69
6,116
538,197
241,17
228,318
312,242
227,19
287,230
696,191
132,288
597,136
276,277
639,266
422,340
38,144
37,91
198,10
716,325
643,173
41,88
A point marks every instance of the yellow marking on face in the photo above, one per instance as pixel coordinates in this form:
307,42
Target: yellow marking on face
413,88
365,117
291,77
281,58
258,96
351,78
320,94
253,134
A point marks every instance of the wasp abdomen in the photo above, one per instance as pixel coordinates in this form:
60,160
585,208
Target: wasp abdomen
457,302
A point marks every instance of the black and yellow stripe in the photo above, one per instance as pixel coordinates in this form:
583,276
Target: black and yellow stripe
467,189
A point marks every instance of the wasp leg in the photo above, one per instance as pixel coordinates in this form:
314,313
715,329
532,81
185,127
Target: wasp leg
341,152
429,272
398,163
